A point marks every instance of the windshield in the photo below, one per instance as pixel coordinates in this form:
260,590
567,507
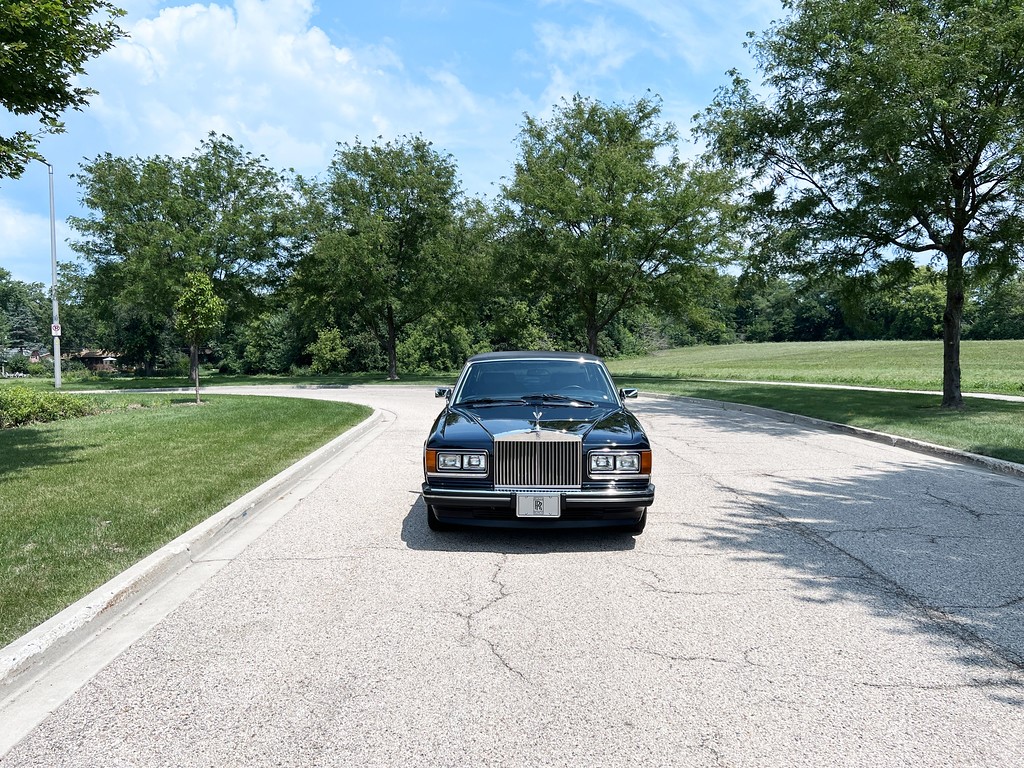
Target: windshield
496,382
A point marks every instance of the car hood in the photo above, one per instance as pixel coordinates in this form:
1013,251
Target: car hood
608,424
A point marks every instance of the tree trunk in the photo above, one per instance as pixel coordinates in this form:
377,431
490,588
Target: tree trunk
392,346
592,333
195,369
952,320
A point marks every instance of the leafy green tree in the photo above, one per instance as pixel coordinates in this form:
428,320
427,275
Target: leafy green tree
221,210
44,45
199,312
268,343
131,240
610,216
999,312
5,343
23,329
384,240
81,328
24,313
328,352
235,221
889,129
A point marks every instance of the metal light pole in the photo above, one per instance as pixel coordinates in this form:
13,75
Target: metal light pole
55,328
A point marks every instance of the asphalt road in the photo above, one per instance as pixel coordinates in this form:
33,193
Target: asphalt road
800,598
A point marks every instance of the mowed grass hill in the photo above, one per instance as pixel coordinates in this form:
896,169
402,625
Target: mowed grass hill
987,366
988,427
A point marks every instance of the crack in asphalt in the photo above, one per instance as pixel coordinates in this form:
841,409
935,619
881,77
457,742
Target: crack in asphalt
1008,604
956,505
469,618
1010,682
709,744
707,593
941,619
1012,679
683,659
875,529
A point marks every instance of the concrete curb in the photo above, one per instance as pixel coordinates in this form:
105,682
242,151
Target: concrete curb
67,630
907,443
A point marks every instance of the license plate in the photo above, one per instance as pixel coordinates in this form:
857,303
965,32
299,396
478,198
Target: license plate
545,505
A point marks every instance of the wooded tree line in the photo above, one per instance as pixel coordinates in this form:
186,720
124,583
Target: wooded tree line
874,174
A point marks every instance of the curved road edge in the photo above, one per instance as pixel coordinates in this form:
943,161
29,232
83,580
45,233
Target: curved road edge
82,621
920,446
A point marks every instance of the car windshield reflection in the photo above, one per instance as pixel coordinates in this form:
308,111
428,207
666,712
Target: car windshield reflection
512,382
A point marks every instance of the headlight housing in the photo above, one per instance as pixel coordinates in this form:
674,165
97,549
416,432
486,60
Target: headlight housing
609,462
473,462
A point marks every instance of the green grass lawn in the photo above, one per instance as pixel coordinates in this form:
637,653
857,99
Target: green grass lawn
989,427
987,366
78,383
83,499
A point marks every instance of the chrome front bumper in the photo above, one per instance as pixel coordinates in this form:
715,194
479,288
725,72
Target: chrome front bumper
605,499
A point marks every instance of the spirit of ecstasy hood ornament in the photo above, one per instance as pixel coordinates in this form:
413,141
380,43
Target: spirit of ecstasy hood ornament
536,417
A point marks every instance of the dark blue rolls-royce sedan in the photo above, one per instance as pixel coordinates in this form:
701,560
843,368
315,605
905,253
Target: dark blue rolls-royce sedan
537,440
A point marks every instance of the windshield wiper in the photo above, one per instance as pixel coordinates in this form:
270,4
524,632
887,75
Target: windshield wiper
559,399
492,401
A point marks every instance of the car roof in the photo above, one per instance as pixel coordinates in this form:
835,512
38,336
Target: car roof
580,356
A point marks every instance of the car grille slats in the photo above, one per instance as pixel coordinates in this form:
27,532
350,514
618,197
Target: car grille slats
540,460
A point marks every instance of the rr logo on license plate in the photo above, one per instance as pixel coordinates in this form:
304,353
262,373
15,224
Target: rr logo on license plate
545,505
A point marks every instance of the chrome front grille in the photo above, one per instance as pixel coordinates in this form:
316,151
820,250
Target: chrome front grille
529,460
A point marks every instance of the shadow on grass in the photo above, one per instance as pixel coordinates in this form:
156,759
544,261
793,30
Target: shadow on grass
933,547
26,448
417,535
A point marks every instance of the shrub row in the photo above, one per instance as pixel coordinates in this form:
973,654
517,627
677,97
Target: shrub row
21,405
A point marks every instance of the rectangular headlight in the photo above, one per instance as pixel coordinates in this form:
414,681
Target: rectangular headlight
449,461
475,462
615,462
628,462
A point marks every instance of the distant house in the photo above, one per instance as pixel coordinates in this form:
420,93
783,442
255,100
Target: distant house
96,359
16,357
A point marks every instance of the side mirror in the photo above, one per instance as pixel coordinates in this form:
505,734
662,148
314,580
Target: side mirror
445,392
630,392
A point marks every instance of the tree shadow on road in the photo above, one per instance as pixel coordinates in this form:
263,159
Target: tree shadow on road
935,545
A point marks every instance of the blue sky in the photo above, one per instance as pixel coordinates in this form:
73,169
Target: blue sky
290,79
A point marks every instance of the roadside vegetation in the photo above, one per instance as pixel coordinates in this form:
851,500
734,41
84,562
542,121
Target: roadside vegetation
986,427
85,498
86,382
989,366
20,405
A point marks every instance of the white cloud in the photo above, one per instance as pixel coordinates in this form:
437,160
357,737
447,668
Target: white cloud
707,34
599,47
26,242
264,73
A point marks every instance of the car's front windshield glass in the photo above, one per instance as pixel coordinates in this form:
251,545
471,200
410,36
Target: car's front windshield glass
529,381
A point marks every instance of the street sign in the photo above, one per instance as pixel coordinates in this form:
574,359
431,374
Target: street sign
55,329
